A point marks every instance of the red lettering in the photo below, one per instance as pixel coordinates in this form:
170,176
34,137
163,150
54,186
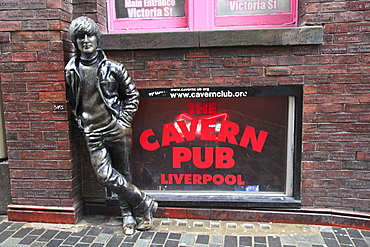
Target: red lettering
163,179
224,158
197,179
218,179
170,134
191,107
240,181
230,179
202,108
188,179
188,134
206,178
178,178
208,126
144,140
212,108
250,135
208,157
179,155
228,132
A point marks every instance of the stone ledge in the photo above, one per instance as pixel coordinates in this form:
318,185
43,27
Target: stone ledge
307,35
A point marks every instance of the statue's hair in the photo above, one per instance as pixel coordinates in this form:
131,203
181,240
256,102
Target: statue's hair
81,26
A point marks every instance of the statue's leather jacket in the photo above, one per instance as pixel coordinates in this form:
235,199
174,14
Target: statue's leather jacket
113,83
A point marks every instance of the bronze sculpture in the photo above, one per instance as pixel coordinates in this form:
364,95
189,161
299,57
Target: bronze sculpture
103,100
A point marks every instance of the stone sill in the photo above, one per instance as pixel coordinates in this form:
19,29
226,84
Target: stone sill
306,35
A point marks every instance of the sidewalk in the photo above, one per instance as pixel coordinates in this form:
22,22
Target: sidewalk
98,231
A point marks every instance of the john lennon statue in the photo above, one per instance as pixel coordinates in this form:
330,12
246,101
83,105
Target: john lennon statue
103,100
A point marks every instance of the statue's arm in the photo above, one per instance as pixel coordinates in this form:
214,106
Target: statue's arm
130,97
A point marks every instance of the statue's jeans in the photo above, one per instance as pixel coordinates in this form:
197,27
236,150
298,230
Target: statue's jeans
109,150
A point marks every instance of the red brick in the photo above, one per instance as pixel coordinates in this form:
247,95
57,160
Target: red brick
327,183
334,49
345,59
49,116
346,78
52,96
5,57
349,16
308,183
263,61
331,89
317,79
310,174
305,70
250,71
224,72
312,8
26,77
364,99
333,69
24,56
50,56
27,97
168,74
4,37
35,25
359,5
39,86
52,76
48,35
32,155
357,108
45,126
278,70
345,38
62,125
19,126
13,87
10,26
237,62
336,28
359,27
29,136
363,156
316,99
310,108
330,108
37,66
40,106
344,137
23,36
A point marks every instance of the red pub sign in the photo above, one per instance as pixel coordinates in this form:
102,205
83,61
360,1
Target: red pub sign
213,140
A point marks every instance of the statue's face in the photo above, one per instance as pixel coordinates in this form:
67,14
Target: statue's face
87,44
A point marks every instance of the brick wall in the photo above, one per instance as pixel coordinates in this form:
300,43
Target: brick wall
45,154
42,146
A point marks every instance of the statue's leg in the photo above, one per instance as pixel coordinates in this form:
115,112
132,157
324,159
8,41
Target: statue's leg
128,220
120,150
113,144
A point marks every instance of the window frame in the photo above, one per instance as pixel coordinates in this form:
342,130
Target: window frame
290,198
201,16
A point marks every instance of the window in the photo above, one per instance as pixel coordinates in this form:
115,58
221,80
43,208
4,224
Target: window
191,15
220,145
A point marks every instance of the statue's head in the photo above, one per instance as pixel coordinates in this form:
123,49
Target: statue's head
82,27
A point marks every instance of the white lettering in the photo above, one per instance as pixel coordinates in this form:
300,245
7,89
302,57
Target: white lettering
250,5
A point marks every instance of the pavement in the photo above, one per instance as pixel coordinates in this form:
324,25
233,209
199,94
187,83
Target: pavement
99,231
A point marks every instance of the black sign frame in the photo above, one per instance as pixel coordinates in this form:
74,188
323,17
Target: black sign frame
235,200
